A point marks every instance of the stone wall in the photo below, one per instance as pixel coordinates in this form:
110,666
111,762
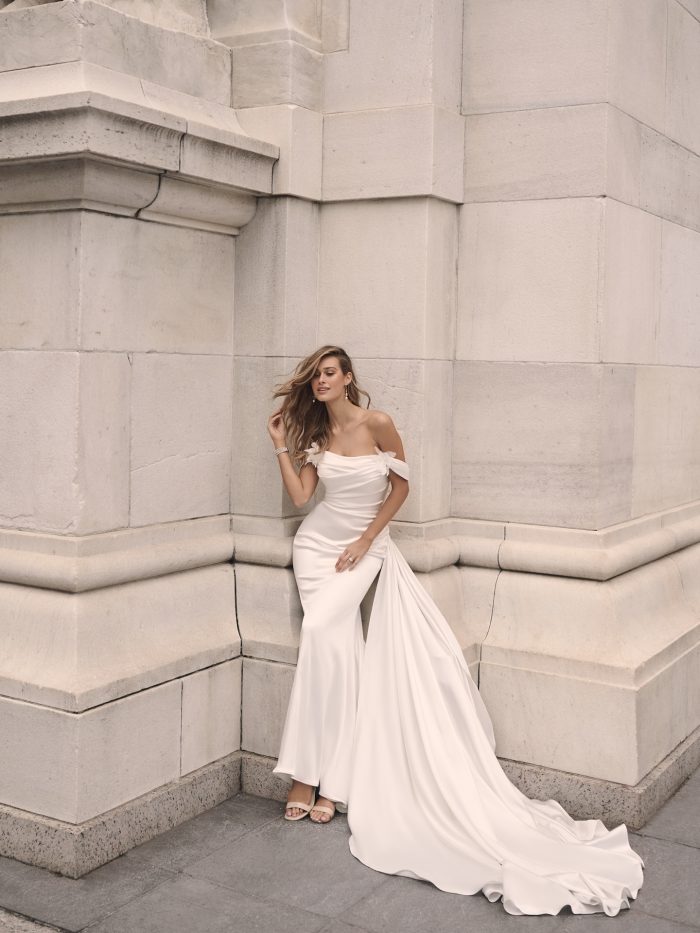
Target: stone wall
495,207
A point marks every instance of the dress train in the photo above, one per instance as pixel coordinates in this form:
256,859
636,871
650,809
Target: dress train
398,724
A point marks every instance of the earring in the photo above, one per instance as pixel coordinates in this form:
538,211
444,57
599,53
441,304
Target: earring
313,401
346,393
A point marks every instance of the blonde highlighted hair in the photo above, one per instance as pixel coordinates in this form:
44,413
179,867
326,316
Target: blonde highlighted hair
306,421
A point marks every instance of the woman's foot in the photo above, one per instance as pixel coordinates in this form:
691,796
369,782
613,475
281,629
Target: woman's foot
318,812
302,793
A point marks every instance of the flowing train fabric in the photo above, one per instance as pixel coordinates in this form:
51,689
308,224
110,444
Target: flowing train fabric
425,793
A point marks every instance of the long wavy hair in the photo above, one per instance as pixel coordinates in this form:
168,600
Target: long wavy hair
305,420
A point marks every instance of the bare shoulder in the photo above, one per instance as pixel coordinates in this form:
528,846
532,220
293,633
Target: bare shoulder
379,420
384,432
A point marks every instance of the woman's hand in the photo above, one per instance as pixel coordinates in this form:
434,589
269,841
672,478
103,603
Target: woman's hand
275,428
352,555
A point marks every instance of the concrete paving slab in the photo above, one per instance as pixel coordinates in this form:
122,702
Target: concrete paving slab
191,841
410,906
339,926
11,923
190,905
69,903
671,880
297,863
629,921
679,819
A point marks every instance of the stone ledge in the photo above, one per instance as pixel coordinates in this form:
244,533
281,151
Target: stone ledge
79,564
583,797
75,849
132,148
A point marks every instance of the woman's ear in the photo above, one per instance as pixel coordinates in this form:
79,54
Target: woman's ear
348,379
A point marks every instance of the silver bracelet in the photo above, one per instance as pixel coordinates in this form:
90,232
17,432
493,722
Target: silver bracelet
281,450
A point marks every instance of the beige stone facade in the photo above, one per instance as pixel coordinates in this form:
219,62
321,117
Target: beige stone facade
495,206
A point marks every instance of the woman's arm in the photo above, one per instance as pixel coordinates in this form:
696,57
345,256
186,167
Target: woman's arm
386,438
300,486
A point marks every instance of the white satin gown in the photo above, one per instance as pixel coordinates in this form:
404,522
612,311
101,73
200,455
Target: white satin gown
395,730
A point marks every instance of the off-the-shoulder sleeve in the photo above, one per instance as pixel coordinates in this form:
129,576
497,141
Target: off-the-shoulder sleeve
400,467
313,454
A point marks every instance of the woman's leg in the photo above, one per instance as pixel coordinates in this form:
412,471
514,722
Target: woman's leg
319,727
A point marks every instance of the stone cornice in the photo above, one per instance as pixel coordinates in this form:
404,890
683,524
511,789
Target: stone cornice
83,137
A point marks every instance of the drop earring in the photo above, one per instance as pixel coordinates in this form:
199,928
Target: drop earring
346,393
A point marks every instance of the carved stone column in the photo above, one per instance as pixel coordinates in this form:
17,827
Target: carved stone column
124,180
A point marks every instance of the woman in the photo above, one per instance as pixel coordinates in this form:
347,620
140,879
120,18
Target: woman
399,720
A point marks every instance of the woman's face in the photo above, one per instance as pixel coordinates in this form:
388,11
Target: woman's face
329,380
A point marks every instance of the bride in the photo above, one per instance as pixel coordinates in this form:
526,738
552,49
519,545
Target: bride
399,719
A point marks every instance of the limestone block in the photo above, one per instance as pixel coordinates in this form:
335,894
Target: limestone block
366,154
666,438
562,653
74,652
282,72
418,396
266,689
211,715
624,157
181,15
92,32
276,280
103,435
528,280
74,767
512,432
395,58
298,132
669,180
556,152
40,302
256,486
52,476
269,612
235,23
637,58
181,437
692,6
177,296
388,263
682,105
630,293
679,314
542,53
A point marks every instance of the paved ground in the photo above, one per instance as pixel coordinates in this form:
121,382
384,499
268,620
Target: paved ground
241,868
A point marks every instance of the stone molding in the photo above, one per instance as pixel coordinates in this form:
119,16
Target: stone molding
75,564
588,555
79,136
80,564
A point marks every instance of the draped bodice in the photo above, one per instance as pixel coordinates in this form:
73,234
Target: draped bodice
355,488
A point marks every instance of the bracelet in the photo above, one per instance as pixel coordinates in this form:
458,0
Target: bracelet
281,450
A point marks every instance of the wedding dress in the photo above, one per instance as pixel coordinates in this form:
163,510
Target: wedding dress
395,730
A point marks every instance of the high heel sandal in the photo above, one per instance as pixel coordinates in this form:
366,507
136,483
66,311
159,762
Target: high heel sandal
307,807
322,809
